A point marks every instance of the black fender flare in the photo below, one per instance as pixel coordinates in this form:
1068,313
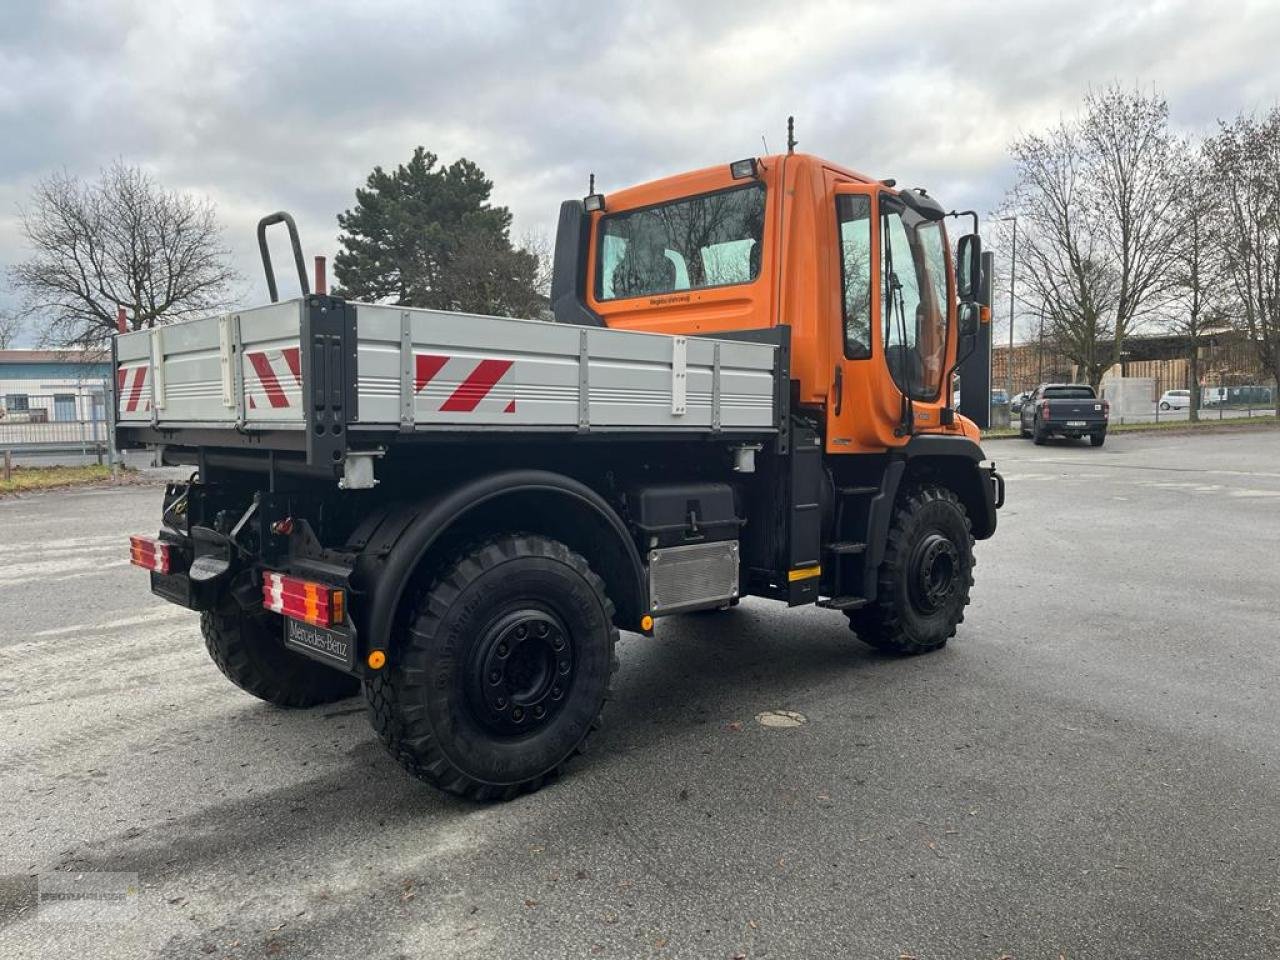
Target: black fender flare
406,536
958,462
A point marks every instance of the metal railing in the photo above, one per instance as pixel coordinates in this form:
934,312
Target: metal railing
76,420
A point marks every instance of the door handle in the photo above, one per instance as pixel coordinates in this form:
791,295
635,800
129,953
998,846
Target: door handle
839,388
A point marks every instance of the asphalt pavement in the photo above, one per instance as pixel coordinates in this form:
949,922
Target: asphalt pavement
1090,770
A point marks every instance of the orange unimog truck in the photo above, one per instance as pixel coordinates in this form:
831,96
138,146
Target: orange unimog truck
746,392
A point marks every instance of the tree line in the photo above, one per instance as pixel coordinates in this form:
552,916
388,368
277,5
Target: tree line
421,235
1125,225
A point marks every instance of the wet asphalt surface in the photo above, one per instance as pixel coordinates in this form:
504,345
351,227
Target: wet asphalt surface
1090,770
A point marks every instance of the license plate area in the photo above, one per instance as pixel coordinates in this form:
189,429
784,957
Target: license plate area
1075,423
335,647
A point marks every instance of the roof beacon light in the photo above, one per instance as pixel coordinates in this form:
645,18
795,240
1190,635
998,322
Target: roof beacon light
742,169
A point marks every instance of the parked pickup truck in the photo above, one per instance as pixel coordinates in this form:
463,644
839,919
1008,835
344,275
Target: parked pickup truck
1066,409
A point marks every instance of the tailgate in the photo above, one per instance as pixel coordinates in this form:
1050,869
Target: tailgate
1067,409
240,370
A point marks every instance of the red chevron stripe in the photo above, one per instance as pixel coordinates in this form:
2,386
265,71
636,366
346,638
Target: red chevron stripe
262,367
140,375
476,387
426,365
294,361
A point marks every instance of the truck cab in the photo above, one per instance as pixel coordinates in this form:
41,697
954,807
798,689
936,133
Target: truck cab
860,272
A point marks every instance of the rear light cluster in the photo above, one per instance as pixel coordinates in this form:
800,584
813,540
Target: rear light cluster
313,603
150,554
1044,410
1106,409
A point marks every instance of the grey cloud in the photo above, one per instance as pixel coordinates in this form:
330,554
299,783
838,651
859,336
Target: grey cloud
262,106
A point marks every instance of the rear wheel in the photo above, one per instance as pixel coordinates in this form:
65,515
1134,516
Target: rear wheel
925,578
1097,439
249,650
1039,436
503,671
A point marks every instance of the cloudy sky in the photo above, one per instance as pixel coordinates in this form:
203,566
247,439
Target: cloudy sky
262,106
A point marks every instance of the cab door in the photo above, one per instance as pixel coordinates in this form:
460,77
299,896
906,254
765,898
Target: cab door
857,401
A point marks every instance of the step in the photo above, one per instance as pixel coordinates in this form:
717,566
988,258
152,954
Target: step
856,491
845,547
843,603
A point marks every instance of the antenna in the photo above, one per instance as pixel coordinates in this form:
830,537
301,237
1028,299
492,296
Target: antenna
591,185
791,134
764,143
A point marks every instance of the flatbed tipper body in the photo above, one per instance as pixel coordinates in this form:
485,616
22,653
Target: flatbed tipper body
745,392
319,375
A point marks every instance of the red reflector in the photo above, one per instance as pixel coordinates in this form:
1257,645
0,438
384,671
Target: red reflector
303,600
150,554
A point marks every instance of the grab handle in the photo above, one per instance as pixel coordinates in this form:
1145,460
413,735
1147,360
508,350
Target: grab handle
281,217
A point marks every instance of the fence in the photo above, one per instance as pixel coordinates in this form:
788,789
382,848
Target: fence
74,421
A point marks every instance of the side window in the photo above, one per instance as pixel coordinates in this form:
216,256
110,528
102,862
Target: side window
712,240
853,215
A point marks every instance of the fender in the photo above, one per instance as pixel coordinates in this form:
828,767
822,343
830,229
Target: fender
958,462
407,536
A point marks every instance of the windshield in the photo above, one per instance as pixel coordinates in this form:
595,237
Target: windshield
707,241
915,298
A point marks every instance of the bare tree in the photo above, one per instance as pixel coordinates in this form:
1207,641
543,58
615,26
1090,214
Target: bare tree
1093,198
1198,301
1245,157
119,241
10,326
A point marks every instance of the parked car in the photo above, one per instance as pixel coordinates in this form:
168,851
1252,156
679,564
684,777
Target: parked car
1065,409
1175,400
999,397
1015,405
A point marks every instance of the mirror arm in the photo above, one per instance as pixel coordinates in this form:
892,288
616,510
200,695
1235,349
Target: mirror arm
966,213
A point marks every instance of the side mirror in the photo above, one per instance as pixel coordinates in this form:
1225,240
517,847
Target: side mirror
969,268
969,319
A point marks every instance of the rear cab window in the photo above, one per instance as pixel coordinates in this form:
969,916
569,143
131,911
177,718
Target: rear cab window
711,240
1069,393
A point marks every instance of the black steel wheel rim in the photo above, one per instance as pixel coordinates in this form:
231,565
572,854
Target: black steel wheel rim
935,572
520,671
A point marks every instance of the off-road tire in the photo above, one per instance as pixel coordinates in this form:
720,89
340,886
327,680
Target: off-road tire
1097,439
423,704
897,621
249,649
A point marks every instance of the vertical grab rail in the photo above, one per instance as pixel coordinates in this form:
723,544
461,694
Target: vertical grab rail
281,217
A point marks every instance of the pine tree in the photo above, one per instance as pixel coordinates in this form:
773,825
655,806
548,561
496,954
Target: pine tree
426,235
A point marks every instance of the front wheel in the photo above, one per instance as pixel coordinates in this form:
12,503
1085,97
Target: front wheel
1164,406
925,578
502,672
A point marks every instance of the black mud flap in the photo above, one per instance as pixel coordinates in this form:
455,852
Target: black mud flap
174,587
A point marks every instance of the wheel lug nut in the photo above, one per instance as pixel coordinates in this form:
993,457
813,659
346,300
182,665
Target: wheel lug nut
495,677
501,703
540,629
521,632
538,711
555,692
503,650
558,643
517,714
564,666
